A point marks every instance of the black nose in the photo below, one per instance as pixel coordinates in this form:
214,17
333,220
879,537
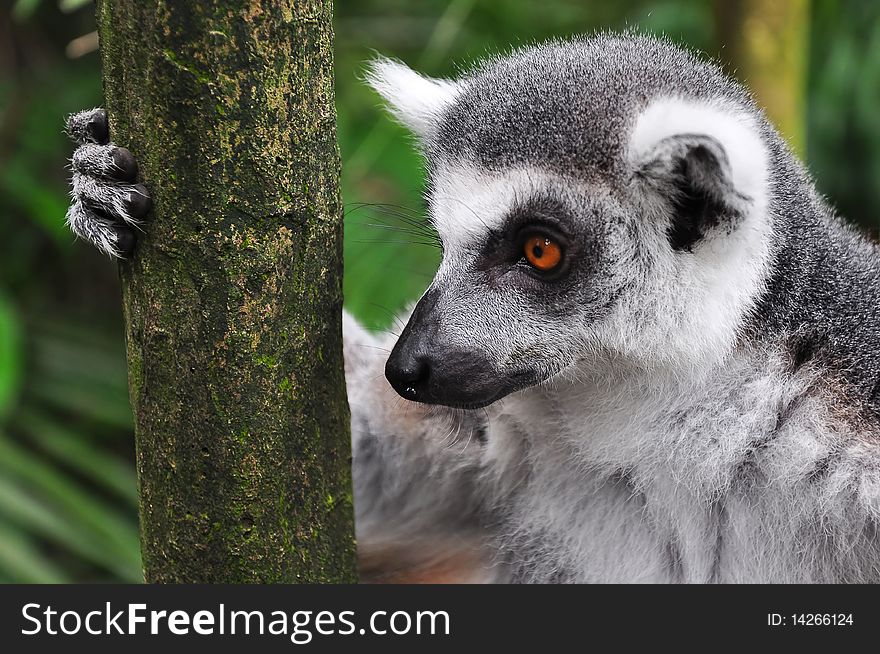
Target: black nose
408,375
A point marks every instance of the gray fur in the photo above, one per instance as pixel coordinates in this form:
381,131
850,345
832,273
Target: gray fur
110,198
750,457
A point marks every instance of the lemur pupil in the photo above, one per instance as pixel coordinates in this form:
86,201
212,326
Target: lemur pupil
538,251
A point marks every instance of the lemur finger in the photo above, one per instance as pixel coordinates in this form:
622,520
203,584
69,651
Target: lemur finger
105,161
89,126
126,202
110,238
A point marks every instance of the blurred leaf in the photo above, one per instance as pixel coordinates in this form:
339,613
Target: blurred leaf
843,121
68,6
77,452
84,400
64,359
24,9
49,493
36,517
21,563
45,207
118,535
10,356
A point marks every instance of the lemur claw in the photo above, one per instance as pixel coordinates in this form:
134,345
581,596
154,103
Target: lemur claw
107,203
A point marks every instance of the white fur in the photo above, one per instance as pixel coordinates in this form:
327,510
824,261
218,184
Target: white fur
735,130
466,201
415,100
697,301
680,443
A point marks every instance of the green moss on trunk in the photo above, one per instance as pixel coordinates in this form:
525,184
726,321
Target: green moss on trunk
242,430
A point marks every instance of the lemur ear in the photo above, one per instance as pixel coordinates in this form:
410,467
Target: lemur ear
415,100
708,164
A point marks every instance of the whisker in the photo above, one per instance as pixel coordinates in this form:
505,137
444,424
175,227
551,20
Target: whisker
396,228
403,214
466,206
374,347
428,235
382,241
394,316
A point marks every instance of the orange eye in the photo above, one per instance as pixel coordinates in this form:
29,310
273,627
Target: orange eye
542,253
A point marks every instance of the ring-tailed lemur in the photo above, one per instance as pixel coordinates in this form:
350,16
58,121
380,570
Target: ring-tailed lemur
672,340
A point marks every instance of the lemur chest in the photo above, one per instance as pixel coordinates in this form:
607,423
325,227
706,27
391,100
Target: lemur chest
691,429
627,482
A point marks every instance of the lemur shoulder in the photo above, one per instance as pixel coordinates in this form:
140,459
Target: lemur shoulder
650,352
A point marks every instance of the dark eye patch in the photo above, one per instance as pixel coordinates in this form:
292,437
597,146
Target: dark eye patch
503,246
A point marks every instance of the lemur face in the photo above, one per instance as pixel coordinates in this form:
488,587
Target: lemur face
527,259
583,213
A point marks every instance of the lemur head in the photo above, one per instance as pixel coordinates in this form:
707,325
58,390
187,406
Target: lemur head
603,197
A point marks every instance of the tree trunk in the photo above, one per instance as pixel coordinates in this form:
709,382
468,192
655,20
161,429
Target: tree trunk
766,42
233,299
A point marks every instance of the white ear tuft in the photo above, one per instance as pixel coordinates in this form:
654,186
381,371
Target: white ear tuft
415,100
732,128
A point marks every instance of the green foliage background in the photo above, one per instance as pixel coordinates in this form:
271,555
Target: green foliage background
67,483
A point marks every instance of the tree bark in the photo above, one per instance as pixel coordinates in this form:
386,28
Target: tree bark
233,298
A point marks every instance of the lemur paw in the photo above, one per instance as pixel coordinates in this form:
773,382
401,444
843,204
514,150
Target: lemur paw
108,204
